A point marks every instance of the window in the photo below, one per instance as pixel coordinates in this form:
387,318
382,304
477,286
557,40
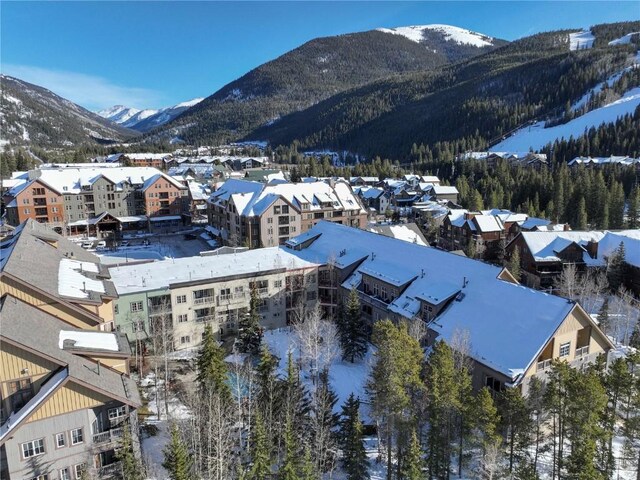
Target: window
285,209
181,299
79,470
185,339
117,412
136,306
27,211
20,392
33,448
276,210
183,317
277,284
65,474
115,309
61,440
270,220
76,436
565,348
41,477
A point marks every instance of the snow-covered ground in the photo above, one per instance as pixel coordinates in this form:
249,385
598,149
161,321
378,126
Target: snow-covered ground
581,40
623,40
536,136
345,377
450,33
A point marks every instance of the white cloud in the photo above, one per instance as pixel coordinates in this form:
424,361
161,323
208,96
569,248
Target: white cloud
89,91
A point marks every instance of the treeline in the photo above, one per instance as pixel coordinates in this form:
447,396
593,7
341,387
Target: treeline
596,198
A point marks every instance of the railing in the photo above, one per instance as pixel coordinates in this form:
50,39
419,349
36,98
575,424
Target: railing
108,436
203,300
206,318
544,364
582,351
230,298
263,290
110,470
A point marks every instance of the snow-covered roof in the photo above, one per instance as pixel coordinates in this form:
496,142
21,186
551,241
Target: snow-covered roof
71,180
75,281
618,159
488,223
88,340
147,156
544,246
162,274
444,190
253,198
611,241
508,323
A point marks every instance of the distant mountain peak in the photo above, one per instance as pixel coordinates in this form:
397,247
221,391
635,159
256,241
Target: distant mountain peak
143,120
450,33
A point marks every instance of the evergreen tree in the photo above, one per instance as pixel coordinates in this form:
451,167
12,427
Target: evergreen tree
616,267
325,422
260,452
354,456
395,379
516,424
631,425
556,400
289,468
634,340
250,331
132,468
514,264
212,371
294,402
177,460
441,408
411,468
307,468
603,315
486,420
581,215
633,210
352,330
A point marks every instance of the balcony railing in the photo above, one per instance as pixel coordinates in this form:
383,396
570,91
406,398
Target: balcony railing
582,351
206,318
544,365
203,300
110,470
263,290
108,436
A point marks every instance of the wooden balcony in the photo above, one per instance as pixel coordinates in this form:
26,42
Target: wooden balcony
544,365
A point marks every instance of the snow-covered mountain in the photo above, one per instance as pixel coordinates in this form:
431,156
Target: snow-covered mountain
32,115
450,33
145,120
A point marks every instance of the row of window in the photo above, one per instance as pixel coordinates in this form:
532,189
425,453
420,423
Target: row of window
65,473
37,447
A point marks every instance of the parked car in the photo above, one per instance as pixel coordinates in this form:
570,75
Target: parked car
86,244
101,244
124,243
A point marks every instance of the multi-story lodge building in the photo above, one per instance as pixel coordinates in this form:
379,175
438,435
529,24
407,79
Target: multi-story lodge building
257,214
98,199
65,392
179,297
514,331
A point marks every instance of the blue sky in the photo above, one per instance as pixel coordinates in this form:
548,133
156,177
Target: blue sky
155,54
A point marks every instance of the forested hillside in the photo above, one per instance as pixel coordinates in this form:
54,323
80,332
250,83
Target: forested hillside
310,73
469,104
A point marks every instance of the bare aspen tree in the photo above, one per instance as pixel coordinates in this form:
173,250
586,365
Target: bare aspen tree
317,342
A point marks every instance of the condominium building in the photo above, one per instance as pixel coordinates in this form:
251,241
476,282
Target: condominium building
183,295
98,199
514,331
257,214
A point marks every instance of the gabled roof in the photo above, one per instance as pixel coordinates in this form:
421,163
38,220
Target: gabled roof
33,249
545,246
253,198
29,328
612,240
507,323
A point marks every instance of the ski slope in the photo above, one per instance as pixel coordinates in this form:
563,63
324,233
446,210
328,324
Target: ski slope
536,136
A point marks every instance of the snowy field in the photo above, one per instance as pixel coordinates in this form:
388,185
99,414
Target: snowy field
581,40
